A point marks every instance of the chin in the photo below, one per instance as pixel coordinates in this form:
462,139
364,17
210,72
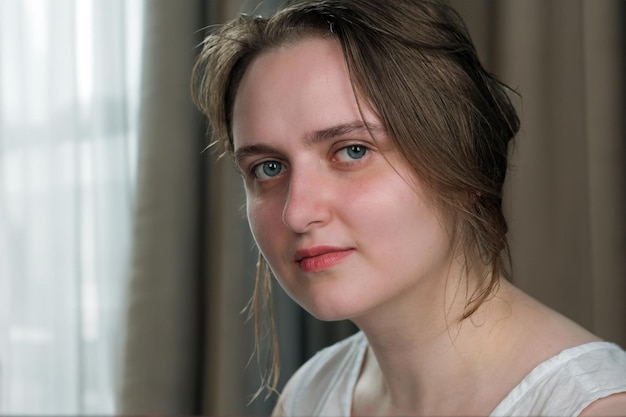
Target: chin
327,298
328,316
330,311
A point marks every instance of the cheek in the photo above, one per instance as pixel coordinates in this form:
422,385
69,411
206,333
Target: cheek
397,217
386,201
255,219
265,222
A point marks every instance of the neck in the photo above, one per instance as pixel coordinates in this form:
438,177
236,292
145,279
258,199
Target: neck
429,357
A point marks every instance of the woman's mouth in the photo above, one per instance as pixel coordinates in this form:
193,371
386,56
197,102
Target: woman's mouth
318,258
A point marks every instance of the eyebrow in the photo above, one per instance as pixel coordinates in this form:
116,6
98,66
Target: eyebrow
343,129
314,138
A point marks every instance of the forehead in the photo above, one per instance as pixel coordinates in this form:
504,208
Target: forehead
299,87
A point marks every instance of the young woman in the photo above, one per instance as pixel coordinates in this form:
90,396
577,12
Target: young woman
373,149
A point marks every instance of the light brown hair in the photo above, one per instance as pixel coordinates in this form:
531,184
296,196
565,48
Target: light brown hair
414,65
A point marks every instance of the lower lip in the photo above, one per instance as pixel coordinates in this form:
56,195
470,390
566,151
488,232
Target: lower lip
324,261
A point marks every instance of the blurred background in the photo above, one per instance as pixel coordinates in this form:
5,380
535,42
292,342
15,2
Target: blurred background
125,257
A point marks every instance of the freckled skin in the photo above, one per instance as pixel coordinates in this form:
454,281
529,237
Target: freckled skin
323,196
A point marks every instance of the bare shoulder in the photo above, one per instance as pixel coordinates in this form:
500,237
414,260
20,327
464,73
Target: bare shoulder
613,405
550,330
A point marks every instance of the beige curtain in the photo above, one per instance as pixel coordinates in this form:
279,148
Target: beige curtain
567,198
566,195
193,264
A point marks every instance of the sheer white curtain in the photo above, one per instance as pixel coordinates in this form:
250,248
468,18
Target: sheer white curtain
69,72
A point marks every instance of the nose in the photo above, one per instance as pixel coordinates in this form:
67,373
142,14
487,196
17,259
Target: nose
307,204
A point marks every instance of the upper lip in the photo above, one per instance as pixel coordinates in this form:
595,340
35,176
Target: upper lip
317,251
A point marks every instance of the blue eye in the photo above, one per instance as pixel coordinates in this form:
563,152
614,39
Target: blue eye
267,169
352,152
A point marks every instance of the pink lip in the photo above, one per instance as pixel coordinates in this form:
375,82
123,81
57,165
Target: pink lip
318,258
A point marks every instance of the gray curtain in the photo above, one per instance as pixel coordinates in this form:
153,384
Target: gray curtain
187,346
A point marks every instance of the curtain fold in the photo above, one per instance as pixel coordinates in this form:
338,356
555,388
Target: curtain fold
566,188
194,259
165,321
605,94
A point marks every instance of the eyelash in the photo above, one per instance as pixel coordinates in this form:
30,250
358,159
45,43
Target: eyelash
256,172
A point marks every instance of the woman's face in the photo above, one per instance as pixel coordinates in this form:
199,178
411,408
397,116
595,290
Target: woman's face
339,216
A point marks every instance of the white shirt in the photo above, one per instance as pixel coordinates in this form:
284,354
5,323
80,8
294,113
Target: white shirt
563,385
